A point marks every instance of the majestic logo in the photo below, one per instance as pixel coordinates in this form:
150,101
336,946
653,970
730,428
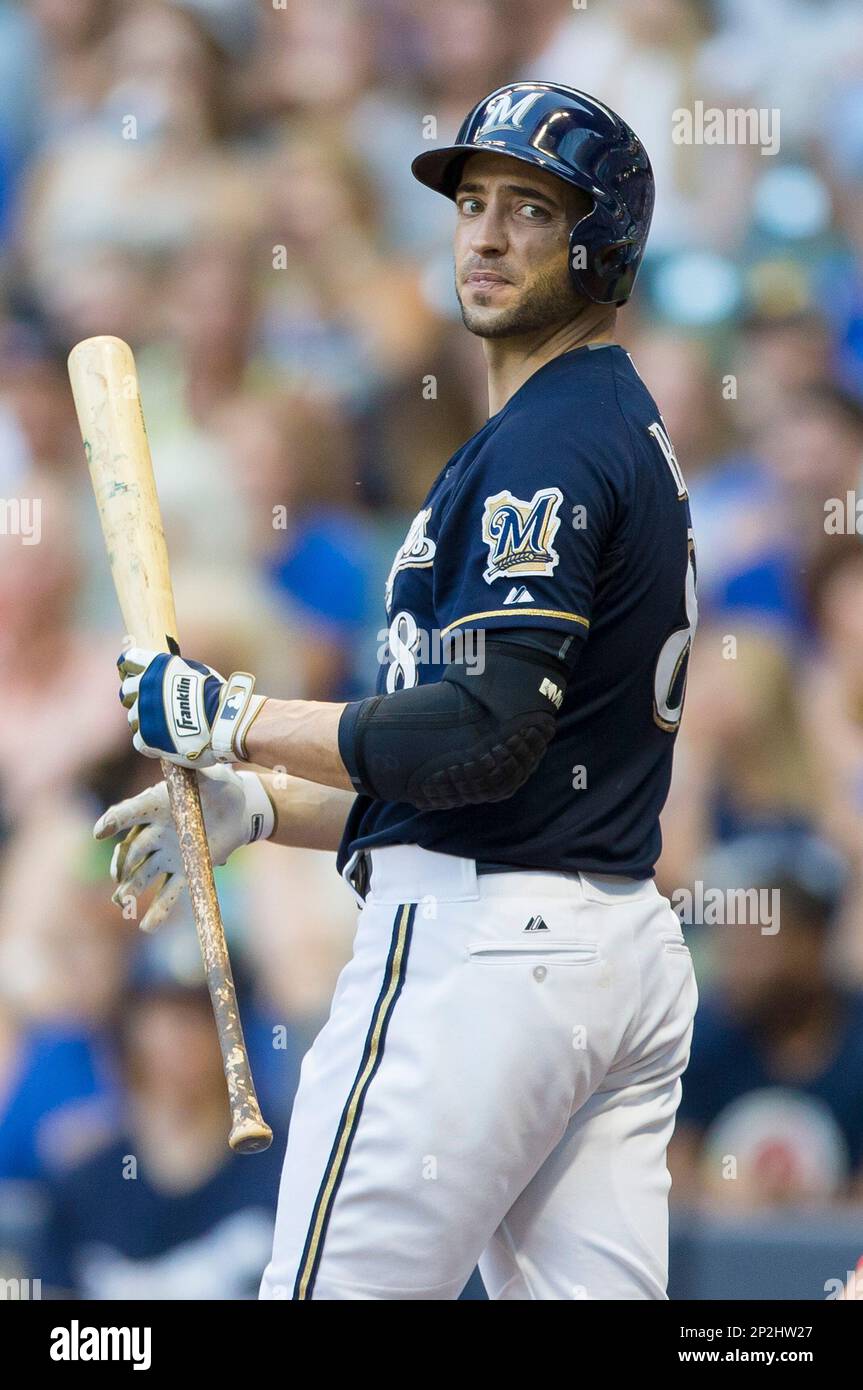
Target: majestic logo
520,535
536,924
417,551
507,112
518,594
184,703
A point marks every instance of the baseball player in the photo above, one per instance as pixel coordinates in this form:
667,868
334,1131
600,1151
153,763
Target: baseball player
498,1078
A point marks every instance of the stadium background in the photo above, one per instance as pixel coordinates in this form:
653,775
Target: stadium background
226,185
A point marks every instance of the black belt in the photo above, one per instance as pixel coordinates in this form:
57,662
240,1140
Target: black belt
360,875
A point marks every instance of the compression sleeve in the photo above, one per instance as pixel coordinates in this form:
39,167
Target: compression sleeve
472,737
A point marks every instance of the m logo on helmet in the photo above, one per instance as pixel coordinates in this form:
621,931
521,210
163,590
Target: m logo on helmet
505,113
519,534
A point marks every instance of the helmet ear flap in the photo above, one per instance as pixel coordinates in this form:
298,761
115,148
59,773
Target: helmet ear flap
601,270
580,250
586,246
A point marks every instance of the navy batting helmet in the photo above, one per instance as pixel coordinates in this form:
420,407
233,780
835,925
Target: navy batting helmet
574,136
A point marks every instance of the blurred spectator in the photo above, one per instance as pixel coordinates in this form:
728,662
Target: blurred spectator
647,60
742,762
761,520
340,317
680,371
770,1109
777,355
47,661
62,954
156,169
63,949
71,38
309,57
295,469
790,52
435,59
831,709
166,1211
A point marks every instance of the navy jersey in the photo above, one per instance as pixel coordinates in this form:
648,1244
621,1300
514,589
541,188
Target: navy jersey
112,1234
566,511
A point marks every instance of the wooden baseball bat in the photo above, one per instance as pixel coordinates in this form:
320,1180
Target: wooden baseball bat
107,399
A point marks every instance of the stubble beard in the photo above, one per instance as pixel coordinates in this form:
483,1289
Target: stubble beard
552,301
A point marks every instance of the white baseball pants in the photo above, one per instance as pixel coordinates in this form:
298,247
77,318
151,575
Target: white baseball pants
497,1084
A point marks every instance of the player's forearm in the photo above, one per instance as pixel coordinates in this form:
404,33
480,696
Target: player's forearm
301,737
308,816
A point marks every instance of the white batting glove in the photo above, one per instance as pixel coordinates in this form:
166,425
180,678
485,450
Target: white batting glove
237,811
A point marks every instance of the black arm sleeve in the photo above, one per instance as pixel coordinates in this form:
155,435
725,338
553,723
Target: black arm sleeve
470,738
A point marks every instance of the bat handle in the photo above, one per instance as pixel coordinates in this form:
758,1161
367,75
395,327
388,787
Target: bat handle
249,1131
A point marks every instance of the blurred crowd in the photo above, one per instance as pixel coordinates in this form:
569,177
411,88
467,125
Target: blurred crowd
225,184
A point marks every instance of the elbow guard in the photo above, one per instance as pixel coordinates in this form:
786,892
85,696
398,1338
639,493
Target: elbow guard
463,741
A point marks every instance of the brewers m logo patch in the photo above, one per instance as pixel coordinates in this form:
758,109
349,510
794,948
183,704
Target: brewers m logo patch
417,551
520,535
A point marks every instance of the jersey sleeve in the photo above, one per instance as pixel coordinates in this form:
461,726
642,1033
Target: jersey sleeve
526,534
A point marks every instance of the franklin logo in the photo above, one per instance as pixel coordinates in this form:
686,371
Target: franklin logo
77,1343
417,551
520,535
507,112
184,691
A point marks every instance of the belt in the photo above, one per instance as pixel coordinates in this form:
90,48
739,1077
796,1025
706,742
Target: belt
408,873
395,874
358,872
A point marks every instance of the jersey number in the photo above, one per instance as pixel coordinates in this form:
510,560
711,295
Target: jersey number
402,643
669,681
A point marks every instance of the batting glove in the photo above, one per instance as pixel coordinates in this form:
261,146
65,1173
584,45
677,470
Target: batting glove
184,711
237,811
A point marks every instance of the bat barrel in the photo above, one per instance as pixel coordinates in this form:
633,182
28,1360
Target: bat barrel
108,402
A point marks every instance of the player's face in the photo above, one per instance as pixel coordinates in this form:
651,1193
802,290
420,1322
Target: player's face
512,247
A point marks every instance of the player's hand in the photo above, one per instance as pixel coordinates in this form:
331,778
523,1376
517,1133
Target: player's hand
184,711
236,809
